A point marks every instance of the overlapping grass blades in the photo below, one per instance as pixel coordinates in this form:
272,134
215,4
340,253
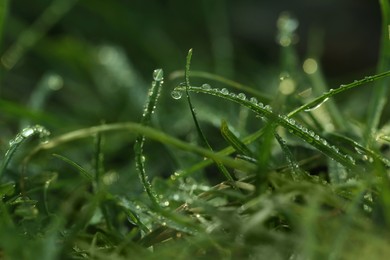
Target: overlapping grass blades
309,136
220,166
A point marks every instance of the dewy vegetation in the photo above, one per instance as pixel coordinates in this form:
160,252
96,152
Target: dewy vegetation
291,179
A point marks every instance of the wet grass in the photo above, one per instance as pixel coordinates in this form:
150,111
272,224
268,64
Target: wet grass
190,164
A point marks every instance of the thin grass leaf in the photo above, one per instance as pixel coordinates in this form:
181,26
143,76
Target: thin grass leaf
150,106
98,161
220,166
317,102
88,176
290,124
19,139
234,141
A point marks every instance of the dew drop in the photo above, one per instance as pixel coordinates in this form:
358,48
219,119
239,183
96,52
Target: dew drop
316,105
253,100
27,132
16,140
158,75
241,96
206,86
268,108
225,91
176,94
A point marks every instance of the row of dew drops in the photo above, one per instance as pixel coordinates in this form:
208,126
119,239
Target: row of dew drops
291,124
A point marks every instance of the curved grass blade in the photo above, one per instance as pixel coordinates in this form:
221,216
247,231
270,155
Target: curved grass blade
145,131
75,165
265,111
19,139
324,97
220,166
223,80
233,140
153,95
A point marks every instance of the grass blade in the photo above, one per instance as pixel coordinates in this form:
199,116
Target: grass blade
233,140
145,131
154,93
324,97
19,139
220,166
75,165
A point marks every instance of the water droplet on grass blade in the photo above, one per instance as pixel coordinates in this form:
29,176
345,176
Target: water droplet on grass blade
253,100
225,91
176,94
241,96
316,105
158,75
206,86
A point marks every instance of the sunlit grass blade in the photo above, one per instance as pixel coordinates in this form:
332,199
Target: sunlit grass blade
153,95
210,76
19,139
220,166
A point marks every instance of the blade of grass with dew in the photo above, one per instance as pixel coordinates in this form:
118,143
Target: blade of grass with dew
291,125
220,166
234,141
150,105
19,139
140,129
28,38
324,97
79,168
206,75
365,153
380,91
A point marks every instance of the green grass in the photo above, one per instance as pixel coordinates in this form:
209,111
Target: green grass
187,164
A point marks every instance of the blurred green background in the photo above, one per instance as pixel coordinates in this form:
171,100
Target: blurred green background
67,64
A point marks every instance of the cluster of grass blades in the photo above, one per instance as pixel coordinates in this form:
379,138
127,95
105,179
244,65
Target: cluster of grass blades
298,187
